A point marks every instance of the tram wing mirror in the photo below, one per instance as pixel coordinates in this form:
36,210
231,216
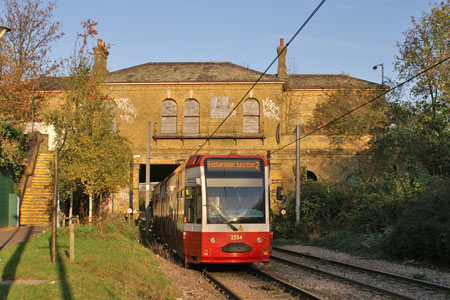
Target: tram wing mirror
279,193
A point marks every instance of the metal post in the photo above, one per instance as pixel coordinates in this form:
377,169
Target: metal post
147,168
297,174
147,179
55,195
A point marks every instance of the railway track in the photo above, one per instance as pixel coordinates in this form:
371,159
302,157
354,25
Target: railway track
388,284
252,283
248,283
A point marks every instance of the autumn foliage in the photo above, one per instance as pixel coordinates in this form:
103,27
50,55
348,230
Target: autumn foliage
24,60
24,54
93,157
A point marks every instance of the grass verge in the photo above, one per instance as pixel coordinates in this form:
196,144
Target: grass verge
110,263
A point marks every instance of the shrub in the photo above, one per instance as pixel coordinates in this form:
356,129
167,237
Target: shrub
13,147
285,227
353,241
321,206
423,231
370,205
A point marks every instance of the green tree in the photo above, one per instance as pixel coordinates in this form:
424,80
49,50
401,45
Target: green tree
13,147
366,120
426,43
92,153
418,135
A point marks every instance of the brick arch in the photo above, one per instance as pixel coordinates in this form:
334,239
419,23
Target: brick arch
169,116
191,116
250,118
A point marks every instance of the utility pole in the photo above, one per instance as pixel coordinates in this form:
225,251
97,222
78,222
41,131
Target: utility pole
147,179
297,174
147,168
55,195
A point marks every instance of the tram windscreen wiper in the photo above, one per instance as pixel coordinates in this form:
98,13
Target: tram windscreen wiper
228,222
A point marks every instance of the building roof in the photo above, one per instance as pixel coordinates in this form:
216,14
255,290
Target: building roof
52,83
187,72
327,81
172,72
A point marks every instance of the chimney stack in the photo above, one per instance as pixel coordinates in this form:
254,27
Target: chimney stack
281,50
100,59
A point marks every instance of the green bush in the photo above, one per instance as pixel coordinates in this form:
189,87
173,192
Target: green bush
423,231
353,241
321,206
13,147
403,215
285,227
369,206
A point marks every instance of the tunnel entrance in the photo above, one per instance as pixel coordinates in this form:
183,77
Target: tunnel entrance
311,176
157,174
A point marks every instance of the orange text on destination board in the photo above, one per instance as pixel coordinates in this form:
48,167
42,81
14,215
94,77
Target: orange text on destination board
233,164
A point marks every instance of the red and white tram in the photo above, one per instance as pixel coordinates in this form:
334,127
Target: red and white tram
215,209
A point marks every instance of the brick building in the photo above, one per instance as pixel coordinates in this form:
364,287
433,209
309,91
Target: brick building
186,101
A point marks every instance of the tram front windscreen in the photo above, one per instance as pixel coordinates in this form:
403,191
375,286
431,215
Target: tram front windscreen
235,190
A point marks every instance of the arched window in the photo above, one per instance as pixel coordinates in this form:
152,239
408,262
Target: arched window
251,116
169,116
191,117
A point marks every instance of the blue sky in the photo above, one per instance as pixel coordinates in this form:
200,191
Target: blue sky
345,36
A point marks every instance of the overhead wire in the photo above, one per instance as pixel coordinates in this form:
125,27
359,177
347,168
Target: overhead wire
364,104
261,76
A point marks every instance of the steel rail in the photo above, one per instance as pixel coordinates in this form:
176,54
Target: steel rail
222,287
388,274
360,283
287,286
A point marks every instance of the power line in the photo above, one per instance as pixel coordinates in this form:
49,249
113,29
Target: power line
364,104
262,75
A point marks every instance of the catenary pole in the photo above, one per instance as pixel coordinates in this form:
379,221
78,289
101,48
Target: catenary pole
55,195
147,168
147,179
297,175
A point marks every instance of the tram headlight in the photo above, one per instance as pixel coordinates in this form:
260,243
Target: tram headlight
212,240
259,240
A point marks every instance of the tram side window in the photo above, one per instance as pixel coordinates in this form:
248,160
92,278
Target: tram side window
190,210
198,210
194,205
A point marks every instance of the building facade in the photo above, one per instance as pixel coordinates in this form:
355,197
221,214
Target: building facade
216,108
